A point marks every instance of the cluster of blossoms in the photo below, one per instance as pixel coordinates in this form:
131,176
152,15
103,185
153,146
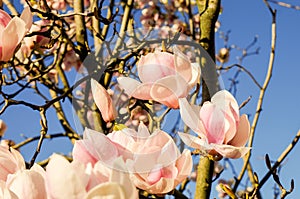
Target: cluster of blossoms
156,13
102,166
39,42
221,131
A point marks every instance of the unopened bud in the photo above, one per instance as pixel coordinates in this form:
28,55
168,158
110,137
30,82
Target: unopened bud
3,127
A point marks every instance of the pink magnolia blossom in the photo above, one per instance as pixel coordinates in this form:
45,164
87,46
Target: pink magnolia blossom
12,31
28,184
220,129
95,146
57,4
157,165
103,101
11,161
35,41
70,60
164,78
65,179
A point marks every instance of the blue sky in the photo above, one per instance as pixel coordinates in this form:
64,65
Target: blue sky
279,121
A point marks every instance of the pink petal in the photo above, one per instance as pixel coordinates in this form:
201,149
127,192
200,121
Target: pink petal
27,184
144,161
10,162
194,142
191,116
182,64
83,154
143,132
4,18
100,146
26,16
121,176
230,128
64,179
168,155
214,122
134,88
15,31
229,151
167,90
123,137
184,165
242,134
154,176
103,101
227,102
155,66
106,190
158,138
164,185
5,192
170,171
196,73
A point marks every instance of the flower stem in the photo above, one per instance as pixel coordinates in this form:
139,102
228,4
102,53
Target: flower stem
204,177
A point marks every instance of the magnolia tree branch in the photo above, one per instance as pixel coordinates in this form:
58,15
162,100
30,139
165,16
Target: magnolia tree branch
81,36
43,133
261,98
278,162
283,4
47,136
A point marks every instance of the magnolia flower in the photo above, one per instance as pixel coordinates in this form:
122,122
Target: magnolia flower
220,129
12,31
95,146
57,4
37,41
28,184
157,165
65,179
71,59
11,161
103,101
164,78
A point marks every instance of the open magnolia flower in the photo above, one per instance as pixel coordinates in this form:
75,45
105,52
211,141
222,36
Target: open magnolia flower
14,29
156,165
165,77
220,129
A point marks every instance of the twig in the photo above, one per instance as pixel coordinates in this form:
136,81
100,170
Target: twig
246,71
32,139
283,4
280,159
43,132
261,97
